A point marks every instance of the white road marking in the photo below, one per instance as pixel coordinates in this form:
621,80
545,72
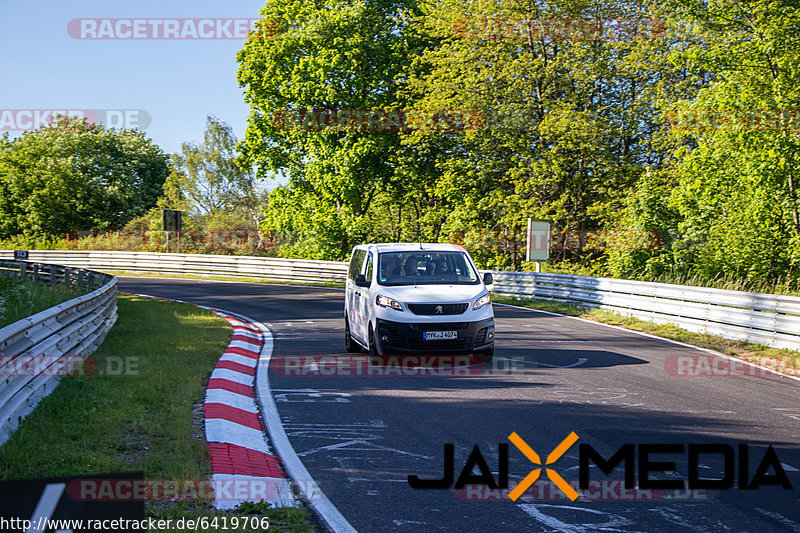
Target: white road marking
792,413
48,502
674,516
312,395
614,521
404,522
367,446
371,423
780,518
332,517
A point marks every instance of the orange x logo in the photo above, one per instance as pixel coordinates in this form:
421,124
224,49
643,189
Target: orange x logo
554,456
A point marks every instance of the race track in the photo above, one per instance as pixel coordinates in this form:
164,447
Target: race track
360,433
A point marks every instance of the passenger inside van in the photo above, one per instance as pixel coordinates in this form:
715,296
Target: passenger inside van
412,265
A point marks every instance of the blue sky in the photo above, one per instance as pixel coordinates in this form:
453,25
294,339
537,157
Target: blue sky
176,82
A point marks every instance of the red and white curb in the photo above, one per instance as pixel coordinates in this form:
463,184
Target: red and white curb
243,469
242,465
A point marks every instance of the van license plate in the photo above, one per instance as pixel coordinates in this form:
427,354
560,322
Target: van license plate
439,335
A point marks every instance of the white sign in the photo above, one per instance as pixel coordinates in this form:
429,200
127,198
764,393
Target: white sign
538,245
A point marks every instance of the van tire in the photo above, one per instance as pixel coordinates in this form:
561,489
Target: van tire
349,344
374,353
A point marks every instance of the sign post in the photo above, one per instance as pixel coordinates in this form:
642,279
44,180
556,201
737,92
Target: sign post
538,246
172,220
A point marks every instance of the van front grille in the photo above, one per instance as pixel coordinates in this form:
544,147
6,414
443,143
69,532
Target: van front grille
438,309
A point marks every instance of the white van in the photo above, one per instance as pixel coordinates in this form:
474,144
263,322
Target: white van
417,298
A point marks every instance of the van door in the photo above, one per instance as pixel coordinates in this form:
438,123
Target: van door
352,295
363,301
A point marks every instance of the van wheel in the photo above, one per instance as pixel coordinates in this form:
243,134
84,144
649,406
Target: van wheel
374,353
349,344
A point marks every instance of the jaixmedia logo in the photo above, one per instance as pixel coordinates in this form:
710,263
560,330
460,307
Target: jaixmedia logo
638,462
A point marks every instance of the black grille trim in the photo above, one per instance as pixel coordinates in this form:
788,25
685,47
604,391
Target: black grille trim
430,309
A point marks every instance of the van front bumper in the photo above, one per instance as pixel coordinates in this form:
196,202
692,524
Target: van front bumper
409,337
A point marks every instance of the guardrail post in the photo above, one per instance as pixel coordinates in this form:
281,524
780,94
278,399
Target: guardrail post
22,269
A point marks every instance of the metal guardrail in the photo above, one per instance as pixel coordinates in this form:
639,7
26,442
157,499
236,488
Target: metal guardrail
302,270
760,318
753,317
36,351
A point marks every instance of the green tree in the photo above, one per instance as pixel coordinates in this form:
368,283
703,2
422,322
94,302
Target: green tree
72,175
563,128
313,56
735,149
207,178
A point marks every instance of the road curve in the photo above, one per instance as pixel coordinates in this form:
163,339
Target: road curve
360,436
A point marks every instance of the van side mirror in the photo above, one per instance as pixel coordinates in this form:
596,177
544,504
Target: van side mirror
488,279
361,280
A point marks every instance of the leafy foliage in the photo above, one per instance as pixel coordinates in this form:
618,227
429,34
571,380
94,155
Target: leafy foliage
337,55
637,131
207,178
732,200
71,175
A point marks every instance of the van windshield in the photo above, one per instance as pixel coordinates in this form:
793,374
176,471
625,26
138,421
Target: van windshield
419,267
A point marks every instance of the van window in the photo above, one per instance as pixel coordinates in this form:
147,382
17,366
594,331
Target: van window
368,272
426,268
355,263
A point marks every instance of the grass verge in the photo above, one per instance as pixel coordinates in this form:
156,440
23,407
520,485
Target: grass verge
22,298
140,411
785,361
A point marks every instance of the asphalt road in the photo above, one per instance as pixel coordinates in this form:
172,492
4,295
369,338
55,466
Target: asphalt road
360,436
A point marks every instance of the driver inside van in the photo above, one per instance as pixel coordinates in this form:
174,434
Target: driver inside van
391,267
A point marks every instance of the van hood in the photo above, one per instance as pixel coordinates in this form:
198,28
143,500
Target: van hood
433,293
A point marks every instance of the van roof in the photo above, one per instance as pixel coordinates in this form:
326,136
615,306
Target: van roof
412,246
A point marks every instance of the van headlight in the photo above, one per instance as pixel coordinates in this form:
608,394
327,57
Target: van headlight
385,301
482,301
